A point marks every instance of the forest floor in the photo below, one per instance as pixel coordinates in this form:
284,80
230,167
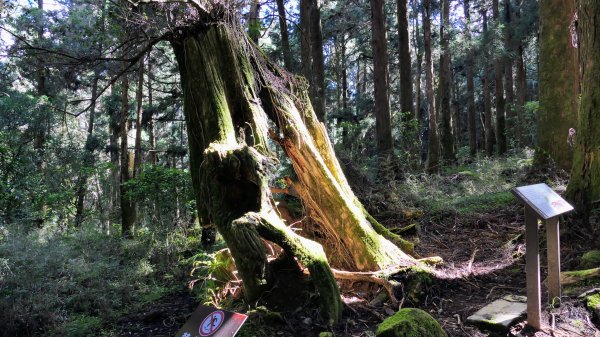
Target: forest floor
483,253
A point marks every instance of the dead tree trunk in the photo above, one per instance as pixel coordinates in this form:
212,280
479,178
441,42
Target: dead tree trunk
231,89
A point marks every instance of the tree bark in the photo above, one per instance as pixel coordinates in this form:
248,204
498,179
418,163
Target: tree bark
521,97
559,83
499,88
152,155
285,38
312,54
433,148
521,85
419,116
128,214
222,93
584,185
254,21
305,54
489,133
406,90
139,97
383,127
88,156
41,132
508,75
471,120
445,88
318,62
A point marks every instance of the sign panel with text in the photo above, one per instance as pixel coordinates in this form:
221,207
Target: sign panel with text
209,321
544,201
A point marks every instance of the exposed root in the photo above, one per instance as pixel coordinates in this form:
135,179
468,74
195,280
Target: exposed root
572,277
372,277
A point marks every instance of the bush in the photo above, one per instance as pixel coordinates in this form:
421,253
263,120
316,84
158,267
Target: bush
83,326
74,283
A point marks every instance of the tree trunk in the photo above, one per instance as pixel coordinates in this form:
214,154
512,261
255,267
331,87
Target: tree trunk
383,127
487,104
521,85
346,113
88,156
152,155
445,87
419,98
254,21
406,90
499,87
318,62
139,97
41,132
312,54
471,120
115,131
285,38
433,148
584,185
222,93
559,83
128,214
305,54
508,75
521,97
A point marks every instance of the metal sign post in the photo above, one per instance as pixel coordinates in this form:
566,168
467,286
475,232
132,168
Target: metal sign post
541,202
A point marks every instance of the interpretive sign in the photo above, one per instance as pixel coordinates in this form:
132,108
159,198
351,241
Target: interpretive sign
541,202
209,321
546,203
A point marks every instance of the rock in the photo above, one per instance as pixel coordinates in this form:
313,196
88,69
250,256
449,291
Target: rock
500,314
410,322
590,259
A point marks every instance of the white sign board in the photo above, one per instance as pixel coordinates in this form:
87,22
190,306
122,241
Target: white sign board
544,201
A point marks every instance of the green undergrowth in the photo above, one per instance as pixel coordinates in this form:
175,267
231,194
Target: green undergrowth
478,187
73,283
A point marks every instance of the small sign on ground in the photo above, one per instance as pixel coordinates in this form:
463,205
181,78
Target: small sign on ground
209,321
500,314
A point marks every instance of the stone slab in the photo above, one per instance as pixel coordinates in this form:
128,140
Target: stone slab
500,314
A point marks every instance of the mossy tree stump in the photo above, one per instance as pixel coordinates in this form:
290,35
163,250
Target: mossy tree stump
231,91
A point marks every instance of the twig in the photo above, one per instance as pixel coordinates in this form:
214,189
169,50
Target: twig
470,265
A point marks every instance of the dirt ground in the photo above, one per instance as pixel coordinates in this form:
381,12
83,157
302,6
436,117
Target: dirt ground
483,261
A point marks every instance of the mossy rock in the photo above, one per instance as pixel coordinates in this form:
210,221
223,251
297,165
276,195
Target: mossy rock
410,322
590,259
593,303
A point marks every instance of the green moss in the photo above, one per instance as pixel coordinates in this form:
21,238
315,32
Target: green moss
410,322
590,259
593,302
